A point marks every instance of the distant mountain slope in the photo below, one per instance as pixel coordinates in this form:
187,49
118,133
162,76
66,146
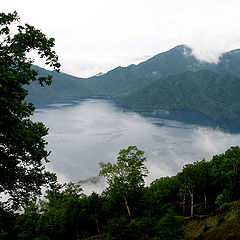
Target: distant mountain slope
122,81
229,63
63,86
125,80
214,94
169,80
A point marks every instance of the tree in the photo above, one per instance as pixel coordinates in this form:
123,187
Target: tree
64,213
127,175
162,195
225,171
22,146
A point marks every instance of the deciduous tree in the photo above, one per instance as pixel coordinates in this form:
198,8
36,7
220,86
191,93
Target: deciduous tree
127,175
22,146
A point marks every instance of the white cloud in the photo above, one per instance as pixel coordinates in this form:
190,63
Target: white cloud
96,36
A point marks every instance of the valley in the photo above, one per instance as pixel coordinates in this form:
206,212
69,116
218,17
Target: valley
173,81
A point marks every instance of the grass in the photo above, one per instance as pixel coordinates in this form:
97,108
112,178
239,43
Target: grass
223,224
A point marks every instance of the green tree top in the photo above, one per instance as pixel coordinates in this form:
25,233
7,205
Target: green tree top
22,147
127,175
130,170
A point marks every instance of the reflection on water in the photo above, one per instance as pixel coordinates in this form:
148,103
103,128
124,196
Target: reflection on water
85,133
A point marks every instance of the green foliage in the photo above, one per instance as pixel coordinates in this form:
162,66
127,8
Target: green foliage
61,213
199,237
206,228
155,211
162,195
223,223
129,172
213,94
170,227
125,229
220,221
126,178
26,223
63,88
220,200
225,169
22,146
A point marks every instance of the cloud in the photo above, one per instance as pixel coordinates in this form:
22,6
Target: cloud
88,188
96,36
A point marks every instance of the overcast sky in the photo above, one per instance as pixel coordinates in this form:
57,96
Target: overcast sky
95,36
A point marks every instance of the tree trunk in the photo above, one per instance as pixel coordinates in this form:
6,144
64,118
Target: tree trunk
205,202
184,202
191,195
78,237
127,206
98,231
191,204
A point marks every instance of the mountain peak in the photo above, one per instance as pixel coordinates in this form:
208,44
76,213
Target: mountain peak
184,49
99,74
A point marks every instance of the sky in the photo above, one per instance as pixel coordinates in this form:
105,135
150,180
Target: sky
95,36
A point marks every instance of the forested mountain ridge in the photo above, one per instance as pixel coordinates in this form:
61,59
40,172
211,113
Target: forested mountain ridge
121,81
64,86
229,63
213,94
171,80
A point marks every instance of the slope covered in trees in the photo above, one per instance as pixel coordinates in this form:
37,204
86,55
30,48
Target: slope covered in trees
173,80
184,206
63,88
213,94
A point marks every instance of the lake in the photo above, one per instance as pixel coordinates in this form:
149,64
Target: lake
84,133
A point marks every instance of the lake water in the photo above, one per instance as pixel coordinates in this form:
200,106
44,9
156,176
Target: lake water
83,133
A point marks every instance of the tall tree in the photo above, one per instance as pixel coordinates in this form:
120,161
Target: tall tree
127,175
22,146
225,173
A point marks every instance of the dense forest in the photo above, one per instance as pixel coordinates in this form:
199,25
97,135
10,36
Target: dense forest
126,209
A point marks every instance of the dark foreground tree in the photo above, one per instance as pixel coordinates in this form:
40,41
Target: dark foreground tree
22,147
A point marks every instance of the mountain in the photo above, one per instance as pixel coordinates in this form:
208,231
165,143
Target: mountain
119,81
213,94
229,63
172,80
124,80
63,87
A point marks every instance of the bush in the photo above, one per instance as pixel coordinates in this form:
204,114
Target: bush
136,229
206,228
220,220
170,227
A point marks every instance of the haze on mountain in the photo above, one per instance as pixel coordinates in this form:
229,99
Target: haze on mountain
172,80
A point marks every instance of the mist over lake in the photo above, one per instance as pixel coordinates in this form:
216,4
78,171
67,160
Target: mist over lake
83,133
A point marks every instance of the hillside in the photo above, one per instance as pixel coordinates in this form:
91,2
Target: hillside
172,80
223,223
184,206
213,94
63,87
122,81
119,81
